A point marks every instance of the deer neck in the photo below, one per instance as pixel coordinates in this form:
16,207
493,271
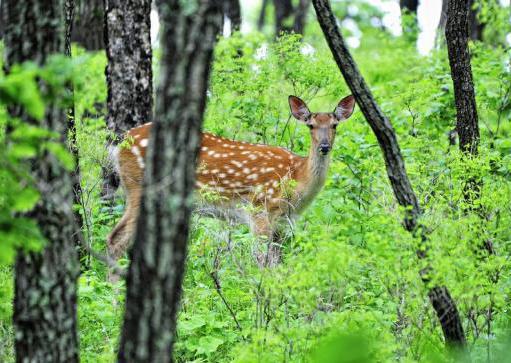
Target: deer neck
315,168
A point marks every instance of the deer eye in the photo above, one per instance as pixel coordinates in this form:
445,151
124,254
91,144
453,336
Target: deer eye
334,126
310,126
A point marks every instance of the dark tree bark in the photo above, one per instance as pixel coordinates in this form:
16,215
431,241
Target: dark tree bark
71,127
456,34
159,251
439,296
409,5
262,15
232,10
283,16
476,28
301,16
88,24
128,73
45,282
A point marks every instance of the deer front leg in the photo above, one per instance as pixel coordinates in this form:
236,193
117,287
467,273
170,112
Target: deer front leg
262,227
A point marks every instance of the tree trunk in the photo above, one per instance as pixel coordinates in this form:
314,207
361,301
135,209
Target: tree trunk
475,26
301,16
45,282
283,16
159,251
128,73
409,5
440,298
88,26
456,34
262,15
232,10
71,127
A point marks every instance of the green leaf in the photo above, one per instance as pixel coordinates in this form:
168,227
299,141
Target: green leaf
209,344
25,200
61,154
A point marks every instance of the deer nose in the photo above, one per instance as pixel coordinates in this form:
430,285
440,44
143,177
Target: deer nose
324,148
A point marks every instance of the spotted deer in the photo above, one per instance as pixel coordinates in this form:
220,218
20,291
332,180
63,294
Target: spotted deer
256,184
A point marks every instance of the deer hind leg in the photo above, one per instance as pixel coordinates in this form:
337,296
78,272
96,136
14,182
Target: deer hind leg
121,236
266,232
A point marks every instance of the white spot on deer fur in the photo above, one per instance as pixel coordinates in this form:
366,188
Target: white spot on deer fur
271,191
205,172
212,182
269,169
225,155
230,171
252,156
246,170
220,189
143,142
225,145
204,148
214,171
222,175
216,156
245,152
238,184
281,166
244,162
199,184
211,152
252,176
136,136
275,183
237,174
231,154
241,147
140,159
237,163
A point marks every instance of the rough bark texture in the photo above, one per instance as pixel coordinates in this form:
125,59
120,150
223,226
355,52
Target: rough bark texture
456,34
440,298
159,251
128,73
476,28
71,127
232,10
88,24
45,283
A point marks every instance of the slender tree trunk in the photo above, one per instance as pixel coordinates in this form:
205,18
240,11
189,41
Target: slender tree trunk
159,251
71,127
301,16
232,10
475,26
456,34
128,73
439,296
409,5
88,25
262,15
45,282
283,16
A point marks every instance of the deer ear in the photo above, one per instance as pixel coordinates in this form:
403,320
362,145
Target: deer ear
299,109
345,108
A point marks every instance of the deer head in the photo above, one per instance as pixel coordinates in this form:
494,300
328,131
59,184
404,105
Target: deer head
322,125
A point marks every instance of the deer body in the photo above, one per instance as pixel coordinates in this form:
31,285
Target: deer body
256,184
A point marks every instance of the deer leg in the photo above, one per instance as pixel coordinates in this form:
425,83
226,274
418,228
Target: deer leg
121,236
272,255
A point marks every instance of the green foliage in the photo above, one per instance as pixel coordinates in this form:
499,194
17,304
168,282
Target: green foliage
349,287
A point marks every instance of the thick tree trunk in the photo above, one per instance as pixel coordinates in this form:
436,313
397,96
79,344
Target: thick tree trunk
456,34
45,283
128,73
88,25
283,16
232,10
440,298
159,251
